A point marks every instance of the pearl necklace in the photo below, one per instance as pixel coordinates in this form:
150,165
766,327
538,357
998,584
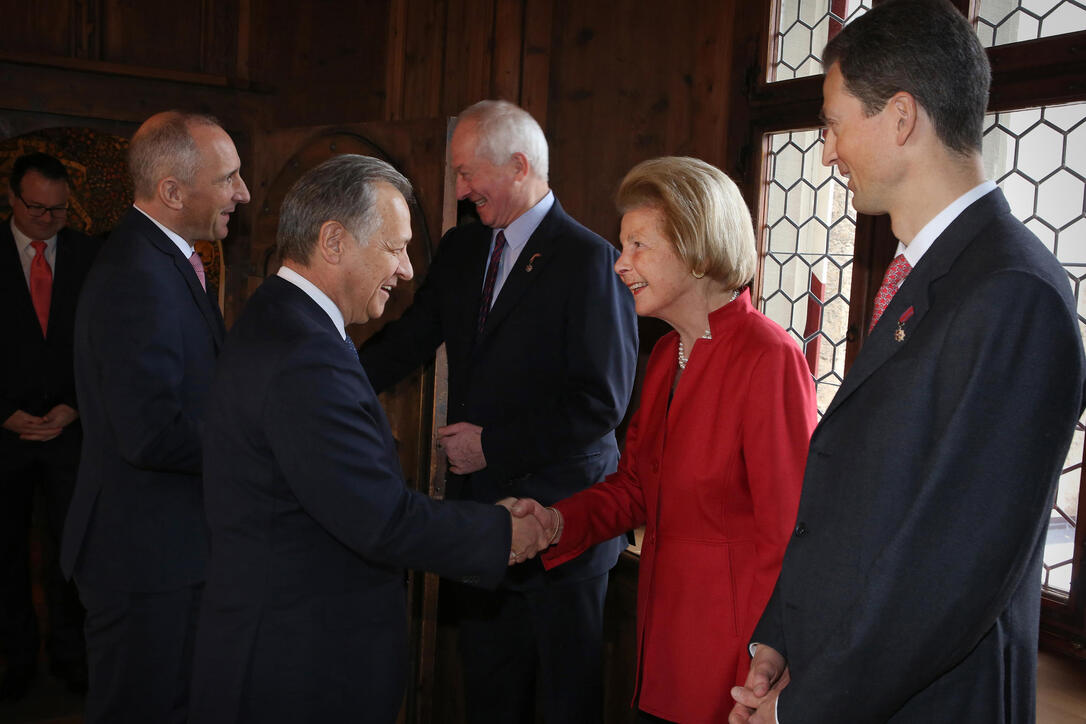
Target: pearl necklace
683,359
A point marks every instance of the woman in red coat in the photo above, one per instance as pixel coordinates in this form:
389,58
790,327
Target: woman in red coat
713,458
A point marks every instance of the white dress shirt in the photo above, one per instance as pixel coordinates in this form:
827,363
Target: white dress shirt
27,252
516,237
322,299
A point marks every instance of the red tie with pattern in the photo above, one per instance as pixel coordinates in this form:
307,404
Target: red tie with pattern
491,278
198,267
895,274
41,285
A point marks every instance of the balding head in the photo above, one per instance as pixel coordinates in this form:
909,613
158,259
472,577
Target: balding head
164,146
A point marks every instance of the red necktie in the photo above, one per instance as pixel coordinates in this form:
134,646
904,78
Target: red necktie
895,274
41,285
491,278
198,267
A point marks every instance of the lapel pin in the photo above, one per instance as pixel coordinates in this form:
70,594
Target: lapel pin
531,262
899,333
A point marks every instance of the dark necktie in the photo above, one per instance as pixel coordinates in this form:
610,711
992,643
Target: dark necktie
895,274
491,278
41,285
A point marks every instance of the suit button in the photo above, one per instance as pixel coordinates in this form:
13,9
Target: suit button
801,529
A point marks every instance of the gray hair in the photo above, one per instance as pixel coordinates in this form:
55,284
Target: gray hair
504,129
340,189
163,146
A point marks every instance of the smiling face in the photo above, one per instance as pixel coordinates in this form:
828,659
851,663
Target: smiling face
373,267
651,269
215,190
37,190
499,196
859,145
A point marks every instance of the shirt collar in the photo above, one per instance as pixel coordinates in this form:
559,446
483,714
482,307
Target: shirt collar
183,246
22,241
931,231
522,228
314,293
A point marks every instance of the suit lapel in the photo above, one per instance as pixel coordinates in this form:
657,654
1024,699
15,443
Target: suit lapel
208,310
529,266
11,275
882,345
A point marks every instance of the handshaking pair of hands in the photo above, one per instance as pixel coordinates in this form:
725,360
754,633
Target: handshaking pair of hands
535,528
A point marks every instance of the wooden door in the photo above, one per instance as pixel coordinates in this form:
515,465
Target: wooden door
417,404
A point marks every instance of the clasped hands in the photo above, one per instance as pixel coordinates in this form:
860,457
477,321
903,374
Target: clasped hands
756,700
535,528
40,429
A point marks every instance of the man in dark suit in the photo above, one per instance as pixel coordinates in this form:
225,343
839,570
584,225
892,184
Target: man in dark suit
542,341
910,591
304,615
147,333
42,267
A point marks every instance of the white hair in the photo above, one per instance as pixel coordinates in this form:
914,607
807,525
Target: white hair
504,129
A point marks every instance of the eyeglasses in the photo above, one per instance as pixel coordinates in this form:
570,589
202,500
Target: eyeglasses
39,211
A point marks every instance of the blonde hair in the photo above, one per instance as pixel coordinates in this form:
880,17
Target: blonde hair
705,216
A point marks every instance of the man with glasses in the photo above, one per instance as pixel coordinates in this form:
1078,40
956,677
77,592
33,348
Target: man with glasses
42,267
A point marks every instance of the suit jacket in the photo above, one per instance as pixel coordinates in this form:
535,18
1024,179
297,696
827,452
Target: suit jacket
714,474
145,344
304,615
36,372
910,591
548,379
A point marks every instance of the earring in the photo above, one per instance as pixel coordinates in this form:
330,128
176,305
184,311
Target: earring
696,274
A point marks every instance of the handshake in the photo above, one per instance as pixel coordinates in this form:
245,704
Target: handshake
535,528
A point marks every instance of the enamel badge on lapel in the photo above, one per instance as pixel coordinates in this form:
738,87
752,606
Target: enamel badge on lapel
899,333
531,262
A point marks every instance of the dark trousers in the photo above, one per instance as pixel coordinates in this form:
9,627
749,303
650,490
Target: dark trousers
509,640
139,654
47,472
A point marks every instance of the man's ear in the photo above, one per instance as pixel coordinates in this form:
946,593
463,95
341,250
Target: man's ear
171,193
331,240
521,166
904,109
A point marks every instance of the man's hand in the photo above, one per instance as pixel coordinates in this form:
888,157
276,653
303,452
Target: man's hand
529,535
756,700
61,416
549,518
463,444
31,427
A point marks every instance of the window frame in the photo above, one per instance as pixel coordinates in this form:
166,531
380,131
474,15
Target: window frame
1047,71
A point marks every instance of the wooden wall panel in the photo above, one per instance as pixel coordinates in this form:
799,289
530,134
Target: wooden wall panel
44,27
155,35
630,81
324,61
469,52
424,53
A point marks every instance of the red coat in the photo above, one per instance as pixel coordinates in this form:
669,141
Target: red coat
716,482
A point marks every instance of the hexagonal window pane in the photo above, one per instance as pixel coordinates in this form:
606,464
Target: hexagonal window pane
1040,152
1071,245
1012,21
1059,199
782,237
796,46
803,29
1021,193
